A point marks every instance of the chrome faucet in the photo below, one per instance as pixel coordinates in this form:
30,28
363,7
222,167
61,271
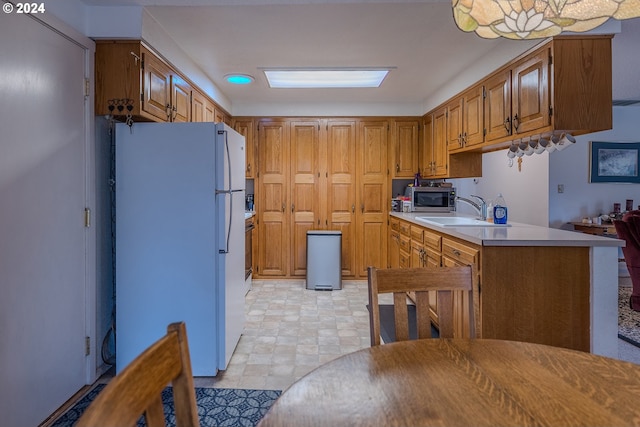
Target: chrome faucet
481,207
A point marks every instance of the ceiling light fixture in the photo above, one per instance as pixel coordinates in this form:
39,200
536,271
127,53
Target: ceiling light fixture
536,19
239,79
326,77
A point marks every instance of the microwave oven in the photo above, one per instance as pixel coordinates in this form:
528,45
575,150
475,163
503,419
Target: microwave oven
432,199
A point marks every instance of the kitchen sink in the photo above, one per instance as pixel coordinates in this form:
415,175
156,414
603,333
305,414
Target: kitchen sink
458,221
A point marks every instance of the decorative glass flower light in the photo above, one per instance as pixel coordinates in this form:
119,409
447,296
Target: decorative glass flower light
536,19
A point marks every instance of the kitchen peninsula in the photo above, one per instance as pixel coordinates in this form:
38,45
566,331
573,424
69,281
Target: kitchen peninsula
534,284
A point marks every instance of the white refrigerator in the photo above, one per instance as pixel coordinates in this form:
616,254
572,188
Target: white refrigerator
180,197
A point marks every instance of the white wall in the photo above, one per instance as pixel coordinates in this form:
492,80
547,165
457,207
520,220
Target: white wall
571,168
524,191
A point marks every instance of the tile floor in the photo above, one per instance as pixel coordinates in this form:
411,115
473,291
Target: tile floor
291,330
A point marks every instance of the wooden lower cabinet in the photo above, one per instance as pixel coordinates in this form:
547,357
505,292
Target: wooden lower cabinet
536,294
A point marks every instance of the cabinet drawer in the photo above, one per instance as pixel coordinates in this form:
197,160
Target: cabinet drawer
395,224
417,234
405,228
405,243
465,255
432,240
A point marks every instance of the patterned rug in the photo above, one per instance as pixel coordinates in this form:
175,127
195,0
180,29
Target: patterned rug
216,406
628,320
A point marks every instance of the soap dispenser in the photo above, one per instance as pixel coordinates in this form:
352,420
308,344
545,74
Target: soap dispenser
499,210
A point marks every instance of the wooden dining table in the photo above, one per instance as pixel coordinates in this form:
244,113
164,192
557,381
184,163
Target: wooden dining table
463,382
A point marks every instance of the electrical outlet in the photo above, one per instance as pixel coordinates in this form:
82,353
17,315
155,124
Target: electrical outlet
560,188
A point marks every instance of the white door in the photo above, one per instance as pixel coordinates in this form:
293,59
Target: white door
42,237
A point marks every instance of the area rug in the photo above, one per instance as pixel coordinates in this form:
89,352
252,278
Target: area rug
216,406
628,320
387,324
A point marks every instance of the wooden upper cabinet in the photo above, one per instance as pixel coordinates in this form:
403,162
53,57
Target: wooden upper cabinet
440,135
530,92
180,100
156,87
198,102
454,124
209,112
473,116
131,76
497,105
245,128
465,115
563,85
404,148
433,158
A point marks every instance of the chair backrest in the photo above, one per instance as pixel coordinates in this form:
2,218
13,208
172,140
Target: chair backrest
137,389
400,281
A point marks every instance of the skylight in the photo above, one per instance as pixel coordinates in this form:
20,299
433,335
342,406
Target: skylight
326,77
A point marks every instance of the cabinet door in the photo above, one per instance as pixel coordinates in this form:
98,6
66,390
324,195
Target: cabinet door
426,148
373,197
198,102
245,128
530,94
405,148
394,249
305,203
454,124
156,83
180,100
340,193
273,256
209,113
440,150
455,253
473,117
497,106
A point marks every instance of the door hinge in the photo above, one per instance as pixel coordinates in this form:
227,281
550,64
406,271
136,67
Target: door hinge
87,217
87,346
87,87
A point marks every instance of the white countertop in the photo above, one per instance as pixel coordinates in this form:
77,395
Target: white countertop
516,235
248,215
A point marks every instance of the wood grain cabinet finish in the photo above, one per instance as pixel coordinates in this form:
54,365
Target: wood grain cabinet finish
338,193
564,85
318,192
433,157
272,201
304,187
544,302
129,70
245,128
372,196
465,126
404,148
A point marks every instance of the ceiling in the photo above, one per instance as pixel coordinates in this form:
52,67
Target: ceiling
417,37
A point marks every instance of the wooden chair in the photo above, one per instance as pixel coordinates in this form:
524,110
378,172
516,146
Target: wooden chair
399,281
137,389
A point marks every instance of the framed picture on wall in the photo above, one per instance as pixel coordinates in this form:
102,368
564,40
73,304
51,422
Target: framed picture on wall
615,162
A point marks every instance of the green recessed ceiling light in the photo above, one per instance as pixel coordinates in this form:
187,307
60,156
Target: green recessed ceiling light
239,79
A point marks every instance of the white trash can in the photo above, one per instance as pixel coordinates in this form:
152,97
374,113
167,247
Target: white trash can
324,259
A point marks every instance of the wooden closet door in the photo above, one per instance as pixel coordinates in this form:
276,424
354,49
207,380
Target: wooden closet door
305,201
341,188
272,202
